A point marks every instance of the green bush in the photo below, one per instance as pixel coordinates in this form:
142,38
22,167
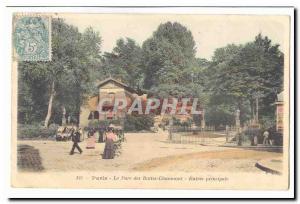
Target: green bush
246,139
267,122
138,122
103,123
35,131
185,125
250,133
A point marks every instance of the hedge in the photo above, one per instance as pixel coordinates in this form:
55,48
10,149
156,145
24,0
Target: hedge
36,131
138,122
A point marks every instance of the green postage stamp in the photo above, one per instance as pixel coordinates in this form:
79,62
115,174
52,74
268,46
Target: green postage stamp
32,37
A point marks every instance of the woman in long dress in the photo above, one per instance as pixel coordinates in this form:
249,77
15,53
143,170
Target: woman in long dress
109,149
91,141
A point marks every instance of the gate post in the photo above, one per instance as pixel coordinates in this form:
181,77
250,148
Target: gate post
203,120
170,128
227,133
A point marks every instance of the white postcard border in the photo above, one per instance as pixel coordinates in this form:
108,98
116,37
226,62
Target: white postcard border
113,193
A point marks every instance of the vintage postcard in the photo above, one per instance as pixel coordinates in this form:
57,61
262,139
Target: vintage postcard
150,100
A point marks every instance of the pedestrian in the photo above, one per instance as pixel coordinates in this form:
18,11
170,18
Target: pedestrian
109,149
91,141
266,138
75,134
60,131
101,134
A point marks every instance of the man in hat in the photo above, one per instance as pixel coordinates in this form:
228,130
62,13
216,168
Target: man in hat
76,139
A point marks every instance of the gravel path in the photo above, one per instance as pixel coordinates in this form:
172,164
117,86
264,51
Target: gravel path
149,152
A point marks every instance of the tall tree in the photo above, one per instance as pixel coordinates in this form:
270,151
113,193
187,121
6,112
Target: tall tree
246,72
124,63
263,62
166,57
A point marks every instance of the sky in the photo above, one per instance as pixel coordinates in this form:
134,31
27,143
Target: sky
209,31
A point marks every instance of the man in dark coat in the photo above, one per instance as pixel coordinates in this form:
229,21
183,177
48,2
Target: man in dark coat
76,139
101,134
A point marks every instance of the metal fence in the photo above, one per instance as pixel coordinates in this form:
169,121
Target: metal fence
196,135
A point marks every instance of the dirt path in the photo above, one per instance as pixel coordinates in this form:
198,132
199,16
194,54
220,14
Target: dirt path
148,152
226,160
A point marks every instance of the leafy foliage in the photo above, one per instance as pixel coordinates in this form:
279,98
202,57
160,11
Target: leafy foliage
68,73
124,63
103,123
166,57
36,130
243,73
138,122
164,66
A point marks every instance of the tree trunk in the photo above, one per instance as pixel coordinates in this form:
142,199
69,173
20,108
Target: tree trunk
49,112
252,110
63,119
256,118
